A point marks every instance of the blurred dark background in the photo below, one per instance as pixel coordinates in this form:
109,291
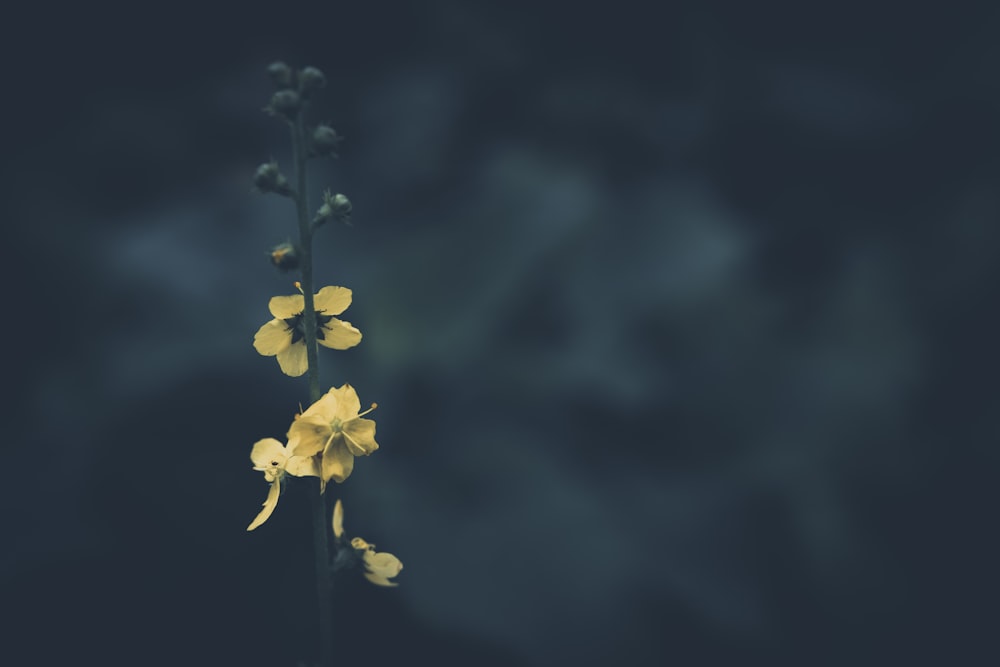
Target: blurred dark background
680,317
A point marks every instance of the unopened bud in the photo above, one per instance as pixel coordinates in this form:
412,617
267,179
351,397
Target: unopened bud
285,256
335,207
324,141
284,103
281,75
268,178
311,79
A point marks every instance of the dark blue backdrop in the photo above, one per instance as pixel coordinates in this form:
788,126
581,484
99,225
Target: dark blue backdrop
680,319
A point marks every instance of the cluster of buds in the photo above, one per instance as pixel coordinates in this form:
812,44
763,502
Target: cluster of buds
293,87
335,207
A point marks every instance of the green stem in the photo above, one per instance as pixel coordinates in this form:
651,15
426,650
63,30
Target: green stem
321,547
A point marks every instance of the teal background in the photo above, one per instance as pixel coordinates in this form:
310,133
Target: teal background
681,320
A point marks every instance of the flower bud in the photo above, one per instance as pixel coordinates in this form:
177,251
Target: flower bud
324,141
284,103
281,75
311,79
335,207
285,256
268,178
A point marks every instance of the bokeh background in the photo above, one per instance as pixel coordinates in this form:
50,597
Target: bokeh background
680,317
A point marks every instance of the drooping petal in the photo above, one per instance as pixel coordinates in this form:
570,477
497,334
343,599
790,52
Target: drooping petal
272,338
332,300
308,435
283,307
348,403
339,335
268,452
338,463
379,581
269,504
359,436
293,360
338,519
303,466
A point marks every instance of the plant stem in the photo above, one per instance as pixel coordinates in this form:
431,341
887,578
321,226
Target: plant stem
321,547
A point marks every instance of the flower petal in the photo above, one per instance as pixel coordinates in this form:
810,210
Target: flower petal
379,581
337,461
339,335
269,504
268,452
308,435
380,567
347,402
338,519
283,307
359,436
383,564
332,300
293,360
325,408
303,466
272,338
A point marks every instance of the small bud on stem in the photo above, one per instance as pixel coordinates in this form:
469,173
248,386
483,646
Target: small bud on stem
311,79
285,256
335,207
324,141
268,178
284,103
281,75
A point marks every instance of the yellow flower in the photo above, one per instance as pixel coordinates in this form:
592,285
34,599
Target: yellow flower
284,336
332,429
380,567
275,460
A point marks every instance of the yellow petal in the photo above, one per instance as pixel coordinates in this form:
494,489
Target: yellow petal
268,453
347,402
338,335
359,436
293,360
332,300
303,466
359,543
269,504
308,435
337,461
338,519
379,581
380,567
283,307
383,564
272,338
325,408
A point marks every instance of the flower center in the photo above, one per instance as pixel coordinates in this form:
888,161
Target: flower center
296,324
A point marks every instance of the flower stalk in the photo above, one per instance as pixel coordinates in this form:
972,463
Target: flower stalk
323,439
321,546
